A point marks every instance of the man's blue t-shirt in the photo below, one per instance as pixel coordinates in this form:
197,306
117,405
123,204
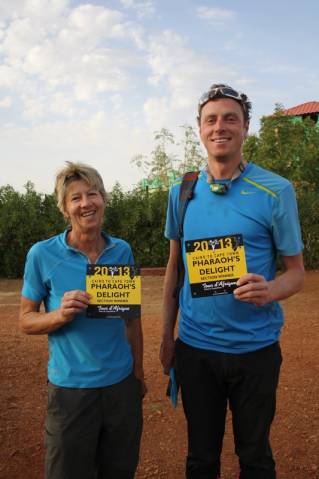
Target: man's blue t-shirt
260,206
87,352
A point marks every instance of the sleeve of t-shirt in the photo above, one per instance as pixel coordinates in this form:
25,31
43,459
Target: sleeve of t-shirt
286,225
126,254
171,227
33,283
130,256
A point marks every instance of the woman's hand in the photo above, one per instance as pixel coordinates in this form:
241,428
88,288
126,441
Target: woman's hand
73,302
34,321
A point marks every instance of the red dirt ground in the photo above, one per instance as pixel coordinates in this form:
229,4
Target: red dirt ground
295,430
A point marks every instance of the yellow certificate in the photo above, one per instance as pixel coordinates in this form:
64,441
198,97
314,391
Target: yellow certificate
115,291
215,264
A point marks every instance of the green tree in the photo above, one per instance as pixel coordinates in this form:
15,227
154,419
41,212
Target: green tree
139,218
193,158
162,168
287,146
25,218
251,146
308,204
159,167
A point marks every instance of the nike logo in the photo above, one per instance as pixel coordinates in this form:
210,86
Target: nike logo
244,192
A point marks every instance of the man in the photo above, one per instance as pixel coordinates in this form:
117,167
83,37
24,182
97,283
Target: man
227,349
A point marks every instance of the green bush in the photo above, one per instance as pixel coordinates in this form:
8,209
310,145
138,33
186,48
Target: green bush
136,216
24,220
139,218
308,203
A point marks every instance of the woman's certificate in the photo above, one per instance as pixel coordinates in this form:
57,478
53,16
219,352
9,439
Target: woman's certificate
115,291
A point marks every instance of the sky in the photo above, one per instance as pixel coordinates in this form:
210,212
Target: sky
92,81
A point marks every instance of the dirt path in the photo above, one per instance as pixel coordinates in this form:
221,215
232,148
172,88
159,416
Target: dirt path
295,435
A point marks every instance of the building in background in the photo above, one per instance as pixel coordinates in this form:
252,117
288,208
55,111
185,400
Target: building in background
305,110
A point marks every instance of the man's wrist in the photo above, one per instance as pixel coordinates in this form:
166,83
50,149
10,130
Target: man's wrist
168,337
168,332
139,372
271,292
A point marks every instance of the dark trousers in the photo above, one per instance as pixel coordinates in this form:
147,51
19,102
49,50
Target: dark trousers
248,382
94,433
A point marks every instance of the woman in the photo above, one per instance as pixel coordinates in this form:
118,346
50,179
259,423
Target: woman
95,370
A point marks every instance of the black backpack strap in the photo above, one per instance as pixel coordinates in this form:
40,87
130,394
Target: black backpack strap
185,194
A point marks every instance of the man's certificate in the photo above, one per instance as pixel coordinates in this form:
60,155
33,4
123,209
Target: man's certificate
115,291
215,264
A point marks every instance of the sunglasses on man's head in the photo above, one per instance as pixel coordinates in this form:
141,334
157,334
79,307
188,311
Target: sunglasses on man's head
220,91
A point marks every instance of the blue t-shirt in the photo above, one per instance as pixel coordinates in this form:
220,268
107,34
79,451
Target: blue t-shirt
87,352
261,206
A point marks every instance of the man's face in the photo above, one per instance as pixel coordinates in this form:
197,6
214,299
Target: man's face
223,129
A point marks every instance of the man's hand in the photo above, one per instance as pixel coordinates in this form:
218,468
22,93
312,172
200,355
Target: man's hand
253,288
73,302
139,374
167,354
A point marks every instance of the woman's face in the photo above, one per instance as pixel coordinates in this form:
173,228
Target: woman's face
84,207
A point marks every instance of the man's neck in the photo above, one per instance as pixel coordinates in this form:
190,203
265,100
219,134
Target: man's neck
223,169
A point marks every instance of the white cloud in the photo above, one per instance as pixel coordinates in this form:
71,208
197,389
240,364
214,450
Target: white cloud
215,15
93,23
81,80
38,152
37,9
34,108
84,53
20,37
143,8
156,112
281,68
181,74
117,102
61,104
137,34
2,33
9,77
43,60
5,102
102,71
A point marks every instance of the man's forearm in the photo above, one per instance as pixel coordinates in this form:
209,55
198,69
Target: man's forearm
286,284
170,302
170,310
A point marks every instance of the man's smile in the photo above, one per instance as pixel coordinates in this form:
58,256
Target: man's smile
220,140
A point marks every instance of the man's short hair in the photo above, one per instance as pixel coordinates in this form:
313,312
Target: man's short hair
220,90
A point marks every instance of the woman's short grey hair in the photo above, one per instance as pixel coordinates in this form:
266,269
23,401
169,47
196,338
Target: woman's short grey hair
75,172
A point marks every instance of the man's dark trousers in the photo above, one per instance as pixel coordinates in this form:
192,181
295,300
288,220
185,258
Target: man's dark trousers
209,380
